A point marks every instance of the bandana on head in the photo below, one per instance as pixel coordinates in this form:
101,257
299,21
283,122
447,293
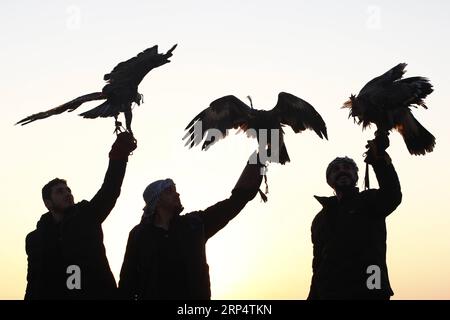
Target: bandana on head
151,196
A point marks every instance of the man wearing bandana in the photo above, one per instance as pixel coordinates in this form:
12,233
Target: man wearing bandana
349,233
165,258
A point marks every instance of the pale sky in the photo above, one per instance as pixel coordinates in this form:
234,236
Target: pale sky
321,51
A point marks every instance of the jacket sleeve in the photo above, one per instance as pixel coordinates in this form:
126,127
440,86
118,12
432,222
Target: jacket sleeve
32,289
105,199
129,273
217,216
389,195
313,294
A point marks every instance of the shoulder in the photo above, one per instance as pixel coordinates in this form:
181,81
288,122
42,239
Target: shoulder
41,227
32,241
319,216
191,220
192,217
31,237
368,194
318,220
81,210
140,237
139,229
82,205
77,208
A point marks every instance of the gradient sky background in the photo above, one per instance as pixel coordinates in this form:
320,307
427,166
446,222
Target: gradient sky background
321,51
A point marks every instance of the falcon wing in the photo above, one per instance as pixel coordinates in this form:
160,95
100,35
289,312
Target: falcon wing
132,71
386,78
68,106
409,92
299,114
224,113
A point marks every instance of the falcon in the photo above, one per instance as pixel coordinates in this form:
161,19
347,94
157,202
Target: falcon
229,112
386,102
119,93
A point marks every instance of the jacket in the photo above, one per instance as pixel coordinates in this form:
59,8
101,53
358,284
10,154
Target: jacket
76,241
349,240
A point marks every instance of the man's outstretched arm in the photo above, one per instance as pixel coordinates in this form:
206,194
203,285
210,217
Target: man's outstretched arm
105,199
217,216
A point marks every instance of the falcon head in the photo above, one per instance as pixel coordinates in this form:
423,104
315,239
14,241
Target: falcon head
356,109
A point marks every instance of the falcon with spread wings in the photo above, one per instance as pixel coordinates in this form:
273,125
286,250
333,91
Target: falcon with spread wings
229,112
386,101
120,91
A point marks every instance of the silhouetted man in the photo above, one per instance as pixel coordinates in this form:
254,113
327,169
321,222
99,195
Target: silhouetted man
165,256
66,255
349,233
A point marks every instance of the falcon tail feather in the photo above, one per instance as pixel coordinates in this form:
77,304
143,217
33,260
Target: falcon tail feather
418,140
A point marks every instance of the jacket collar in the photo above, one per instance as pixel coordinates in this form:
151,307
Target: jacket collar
327,202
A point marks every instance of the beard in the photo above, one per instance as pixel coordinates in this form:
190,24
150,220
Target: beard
345,189
178,208
345,185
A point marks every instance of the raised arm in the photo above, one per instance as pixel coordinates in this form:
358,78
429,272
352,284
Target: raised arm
105,199
389,195
217,216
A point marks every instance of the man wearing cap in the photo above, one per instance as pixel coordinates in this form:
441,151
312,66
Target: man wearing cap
349,233
165,257
66,255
